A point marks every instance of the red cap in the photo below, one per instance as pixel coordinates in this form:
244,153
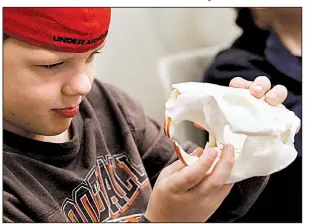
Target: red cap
63,29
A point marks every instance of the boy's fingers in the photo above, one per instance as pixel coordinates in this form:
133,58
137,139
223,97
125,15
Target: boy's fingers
260,86
178,165
197,152
191,175
276,95
174,167
239,82
221,172
225,165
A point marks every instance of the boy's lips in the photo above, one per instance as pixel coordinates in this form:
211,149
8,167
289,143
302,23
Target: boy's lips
69,112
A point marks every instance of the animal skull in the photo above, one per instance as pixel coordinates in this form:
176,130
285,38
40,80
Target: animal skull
262,135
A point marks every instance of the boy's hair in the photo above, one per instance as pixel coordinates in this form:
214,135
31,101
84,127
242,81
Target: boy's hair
5,37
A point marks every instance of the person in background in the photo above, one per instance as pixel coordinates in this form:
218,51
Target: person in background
270,46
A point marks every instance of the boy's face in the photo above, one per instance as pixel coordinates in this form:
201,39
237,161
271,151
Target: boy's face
43,88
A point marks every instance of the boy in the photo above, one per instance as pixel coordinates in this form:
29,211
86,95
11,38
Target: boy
77,150
270,46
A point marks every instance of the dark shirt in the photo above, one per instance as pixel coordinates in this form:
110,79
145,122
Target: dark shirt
261,53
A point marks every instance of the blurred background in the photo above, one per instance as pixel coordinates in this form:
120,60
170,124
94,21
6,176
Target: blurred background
140,37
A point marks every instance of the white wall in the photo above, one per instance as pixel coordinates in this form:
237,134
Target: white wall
139,37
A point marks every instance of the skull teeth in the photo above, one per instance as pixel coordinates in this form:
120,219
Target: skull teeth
167,126
178,152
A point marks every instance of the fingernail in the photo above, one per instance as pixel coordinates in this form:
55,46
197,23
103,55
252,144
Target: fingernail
230,147
212,153
258,88
239,83
273,97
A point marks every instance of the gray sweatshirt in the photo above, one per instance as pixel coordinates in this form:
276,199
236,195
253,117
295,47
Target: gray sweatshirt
105,173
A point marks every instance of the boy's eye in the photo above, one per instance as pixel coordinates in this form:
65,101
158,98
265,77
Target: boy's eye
51,66
96,52
92,55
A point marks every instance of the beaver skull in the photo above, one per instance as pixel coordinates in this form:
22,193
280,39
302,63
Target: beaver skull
262,135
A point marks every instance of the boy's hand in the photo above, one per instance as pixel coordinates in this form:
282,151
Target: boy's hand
187,194
261,87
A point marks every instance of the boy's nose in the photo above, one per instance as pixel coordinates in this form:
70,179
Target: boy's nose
78,85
